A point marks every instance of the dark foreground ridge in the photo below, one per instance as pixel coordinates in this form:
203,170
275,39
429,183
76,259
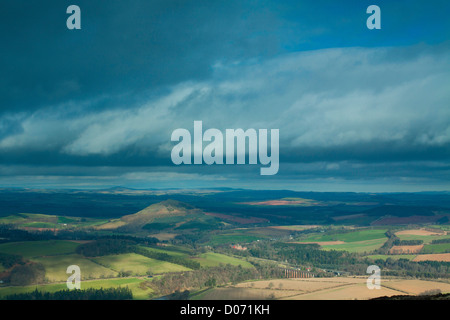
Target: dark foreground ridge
440,296
88,294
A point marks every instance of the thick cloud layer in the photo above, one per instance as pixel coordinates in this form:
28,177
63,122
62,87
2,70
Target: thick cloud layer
97,108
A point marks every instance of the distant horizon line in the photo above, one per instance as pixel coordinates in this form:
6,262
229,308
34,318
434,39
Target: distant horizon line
209,188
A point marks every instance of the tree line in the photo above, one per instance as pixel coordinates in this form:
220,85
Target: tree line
307,255
438,241
87,294
386,247
214,276
416,269
10,233
167,257
9,260
20,272
25,274
408,242
301,255
103,247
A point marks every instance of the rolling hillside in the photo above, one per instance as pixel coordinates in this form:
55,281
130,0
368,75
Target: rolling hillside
167,208
167,215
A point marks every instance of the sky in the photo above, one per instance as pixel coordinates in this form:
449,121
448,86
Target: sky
357,109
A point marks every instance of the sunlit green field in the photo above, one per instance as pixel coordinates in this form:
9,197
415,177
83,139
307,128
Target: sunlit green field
436,248
46,225
352,236
392,256
425,239
132,283
171,251
211,259
357,246
34,220
56,266
137,264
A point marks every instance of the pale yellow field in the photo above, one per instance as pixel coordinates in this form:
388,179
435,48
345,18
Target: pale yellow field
358,291
164,236
420,232
110,225
433,257
337,288
418,286
406,249
244,294
292,284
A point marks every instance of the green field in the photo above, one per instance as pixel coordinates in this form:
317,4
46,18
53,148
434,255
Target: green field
46,225
14,219
66,220
171,251
137,264
425,239
132,283
34,220
222,239
436,248
357,246
211,259
351,236
31,249
20,218
56,266
392,256
440,226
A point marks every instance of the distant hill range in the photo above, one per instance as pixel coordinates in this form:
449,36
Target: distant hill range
398,215
176,211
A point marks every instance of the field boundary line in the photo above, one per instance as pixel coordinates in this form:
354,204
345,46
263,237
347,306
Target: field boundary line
330,289
391,288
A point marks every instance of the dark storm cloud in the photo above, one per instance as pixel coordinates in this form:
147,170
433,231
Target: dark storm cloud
123,46
330,105
130,46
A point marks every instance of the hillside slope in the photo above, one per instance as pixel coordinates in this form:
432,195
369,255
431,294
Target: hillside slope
164,209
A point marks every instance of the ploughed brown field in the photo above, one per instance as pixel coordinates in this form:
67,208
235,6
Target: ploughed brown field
421,232
337,288
433,257
406,249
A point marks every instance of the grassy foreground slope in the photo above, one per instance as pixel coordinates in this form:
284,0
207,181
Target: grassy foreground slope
103,271
56,266
211,259
139,292
137,264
